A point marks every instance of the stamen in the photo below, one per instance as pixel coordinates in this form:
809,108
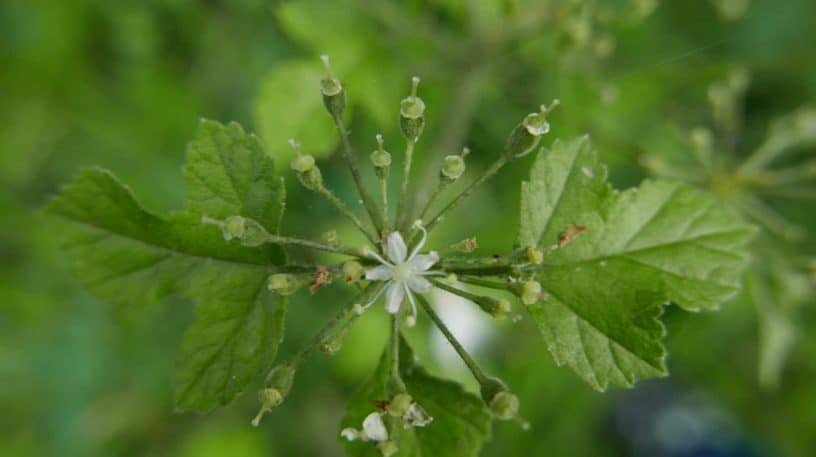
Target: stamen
411,321
418,224
370,252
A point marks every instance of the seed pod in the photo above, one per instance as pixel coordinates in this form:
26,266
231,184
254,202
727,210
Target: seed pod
499,308
453,166
503,404
381,159
308,173
526,135
334,97
412,114
535,255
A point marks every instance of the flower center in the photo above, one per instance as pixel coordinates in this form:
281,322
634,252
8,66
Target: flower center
402,272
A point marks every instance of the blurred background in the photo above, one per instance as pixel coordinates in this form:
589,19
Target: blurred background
688,90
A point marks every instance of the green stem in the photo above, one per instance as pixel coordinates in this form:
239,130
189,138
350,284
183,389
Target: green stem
406,175
348,154
490,284
331,326
384,195
489,173
463,354
285,240
441,186
347,212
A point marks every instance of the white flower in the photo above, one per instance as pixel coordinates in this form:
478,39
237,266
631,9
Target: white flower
373,430
404,274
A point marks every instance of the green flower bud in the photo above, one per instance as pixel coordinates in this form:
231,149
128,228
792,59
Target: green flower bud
334,343
334,97
381,158
248,232
412,113
535,255
499,308
466,245
278,383
399,404
286,284
352,271
530,292
387,448
526,135
304,164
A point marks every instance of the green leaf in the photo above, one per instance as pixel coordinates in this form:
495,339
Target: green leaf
132,257
642,248
461,423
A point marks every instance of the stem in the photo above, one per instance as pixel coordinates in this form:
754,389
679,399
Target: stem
285,240
454,290
439,188
489,173
368,202
384,196
490,284
406,172
393,343
463,354
331,326
347,212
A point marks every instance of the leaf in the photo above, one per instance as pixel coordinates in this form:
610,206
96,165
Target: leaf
132,257
461,423
642,248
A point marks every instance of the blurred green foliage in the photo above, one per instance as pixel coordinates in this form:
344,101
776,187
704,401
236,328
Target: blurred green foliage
122,85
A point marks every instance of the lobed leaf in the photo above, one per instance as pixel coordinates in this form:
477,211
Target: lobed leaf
642,248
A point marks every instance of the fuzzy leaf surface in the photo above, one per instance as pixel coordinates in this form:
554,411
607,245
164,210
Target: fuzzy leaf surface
658,243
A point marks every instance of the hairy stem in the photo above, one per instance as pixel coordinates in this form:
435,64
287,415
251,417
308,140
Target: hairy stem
406,176
347,212
348,154
463,354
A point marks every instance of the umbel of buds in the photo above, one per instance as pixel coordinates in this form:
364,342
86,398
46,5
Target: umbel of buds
526,135
412,113
334,97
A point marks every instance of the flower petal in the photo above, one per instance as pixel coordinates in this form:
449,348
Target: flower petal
374,428
393,297
350,434
423,262
419,284
395,248
379,273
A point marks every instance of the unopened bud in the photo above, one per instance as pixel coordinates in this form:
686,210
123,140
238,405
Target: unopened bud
381,158
399,404
330,238
530,292
499,308
352,271
334,343
334,97
304,164
526,135
412,113
535,255
248,232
